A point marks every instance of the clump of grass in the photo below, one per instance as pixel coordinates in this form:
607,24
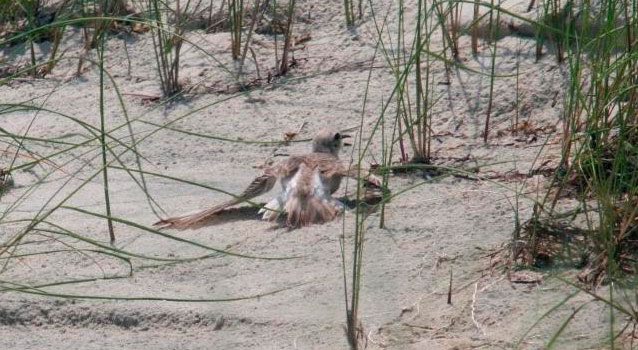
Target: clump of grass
168,36
600,131
614,250
288,31
406,117
544,242
348,8
97,18
475,28
30,21
494,29
236,16
256,16
104,9
412,96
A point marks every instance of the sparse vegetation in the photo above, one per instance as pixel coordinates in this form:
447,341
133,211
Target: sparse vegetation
168,37
585,208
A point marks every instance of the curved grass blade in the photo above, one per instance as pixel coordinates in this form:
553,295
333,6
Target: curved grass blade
175,238
37,290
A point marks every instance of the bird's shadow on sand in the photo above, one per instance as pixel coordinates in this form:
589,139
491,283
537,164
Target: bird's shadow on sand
245,213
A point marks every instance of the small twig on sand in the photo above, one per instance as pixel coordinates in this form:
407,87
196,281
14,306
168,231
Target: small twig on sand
478,326
291,135
449,290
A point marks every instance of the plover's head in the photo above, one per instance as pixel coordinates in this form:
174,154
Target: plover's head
328,141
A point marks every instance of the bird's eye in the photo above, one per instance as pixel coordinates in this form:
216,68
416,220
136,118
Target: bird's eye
337,136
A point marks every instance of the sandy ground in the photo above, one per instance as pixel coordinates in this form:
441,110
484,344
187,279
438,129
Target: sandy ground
448,224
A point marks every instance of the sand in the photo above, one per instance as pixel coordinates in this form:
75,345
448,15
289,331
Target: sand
449,224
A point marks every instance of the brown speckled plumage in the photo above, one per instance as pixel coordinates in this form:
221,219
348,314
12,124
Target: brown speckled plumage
308,182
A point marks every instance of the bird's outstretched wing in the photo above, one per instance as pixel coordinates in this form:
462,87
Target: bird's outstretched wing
257,187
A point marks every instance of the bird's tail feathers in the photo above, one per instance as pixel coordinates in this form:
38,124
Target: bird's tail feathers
258,186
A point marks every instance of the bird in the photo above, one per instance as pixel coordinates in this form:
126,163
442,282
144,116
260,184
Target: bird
307,184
